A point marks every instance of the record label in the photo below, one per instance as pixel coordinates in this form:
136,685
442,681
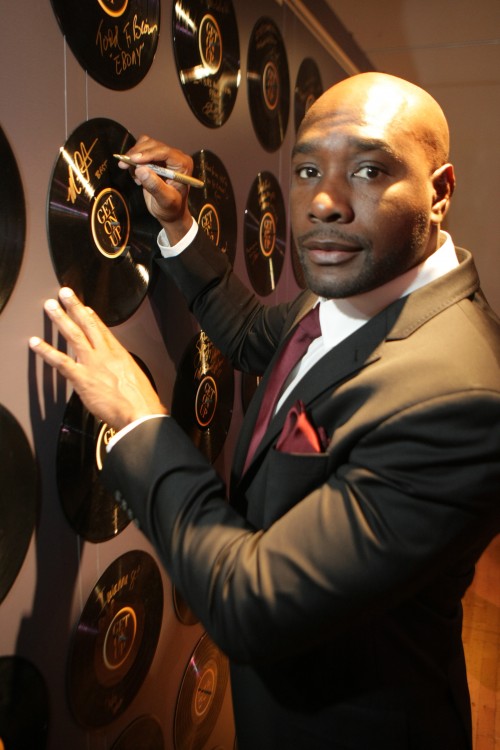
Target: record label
214,206
202,401
90,509
115,639
18,498
101,234
207,54
268,84
265,233
12,221
200,696
110,223
113,40
308,88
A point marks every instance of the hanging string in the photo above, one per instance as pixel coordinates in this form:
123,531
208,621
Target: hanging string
65,92
86,96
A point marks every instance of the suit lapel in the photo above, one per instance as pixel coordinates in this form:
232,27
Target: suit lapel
399,320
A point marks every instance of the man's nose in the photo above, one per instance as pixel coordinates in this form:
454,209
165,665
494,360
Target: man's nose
331,204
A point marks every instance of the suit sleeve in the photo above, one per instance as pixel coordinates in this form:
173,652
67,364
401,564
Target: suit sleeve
389,517
244,329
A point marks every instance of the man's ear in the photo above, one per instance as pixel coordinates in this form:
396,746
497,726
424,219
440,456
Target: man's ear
443,180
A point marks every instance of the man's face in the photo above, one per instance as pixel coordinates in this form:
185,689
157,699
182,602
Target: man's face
361,198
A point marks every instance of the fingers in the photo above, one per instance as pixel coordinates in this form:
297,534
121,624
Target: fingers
75,322
79,325
148,149
53,357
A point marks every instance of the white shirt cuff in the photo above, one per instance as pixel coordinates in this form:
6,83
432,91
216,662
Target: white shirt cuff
121,433
170,251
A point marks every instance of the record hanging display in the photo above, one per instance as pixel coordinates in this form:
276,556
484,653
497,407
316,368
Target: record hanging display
201,695
115,639
143,734
202,401
113,40
101,234
24,705
18,498
268,84
12,221
207,55
214,206
91,509
264,233
308,88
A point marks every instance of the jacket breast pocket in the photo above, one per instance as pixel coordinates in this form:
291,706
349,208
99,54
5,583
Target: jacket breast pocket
289,477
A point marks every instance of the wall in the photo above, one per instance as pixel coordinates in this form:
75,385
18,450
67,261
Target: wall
45,95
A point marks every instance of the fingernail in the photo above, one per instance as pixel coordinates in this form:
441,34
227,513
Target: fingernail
51,304
34,341
65,292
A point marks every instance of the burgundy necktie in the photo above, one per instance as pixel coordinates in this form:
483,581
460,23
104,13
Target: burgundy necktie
305,332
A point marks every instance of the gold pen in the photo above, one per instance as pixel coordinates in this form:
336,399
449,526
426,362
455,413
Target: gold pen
164,172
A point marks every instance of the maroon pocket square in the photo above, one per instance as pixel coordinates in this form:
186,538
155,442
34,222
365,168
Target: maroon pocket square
299,435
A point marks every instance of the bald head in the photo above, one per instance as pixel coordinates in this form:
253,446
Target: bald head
387,102
370,184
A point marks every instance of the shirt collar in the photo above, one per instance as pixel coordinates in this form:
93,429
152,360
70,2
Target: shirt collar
351,312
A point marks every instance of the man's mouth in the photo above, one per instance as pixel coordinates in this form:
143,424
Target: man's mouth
329,252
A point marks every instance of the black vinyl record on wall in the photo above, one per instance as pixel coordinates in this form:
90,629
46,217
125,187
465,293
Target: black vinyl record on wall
113,40
264,237
18,498
202,401
268,84
90,509
24,705
101,235
308,88
214,207
12,221
115,639
207,54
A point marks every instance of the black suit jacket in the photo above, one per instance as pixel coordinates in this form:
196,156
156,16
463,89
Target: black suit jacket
333,580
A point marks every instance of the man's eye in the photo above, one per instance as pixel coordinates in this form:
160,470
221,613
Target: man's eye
367,173
306,173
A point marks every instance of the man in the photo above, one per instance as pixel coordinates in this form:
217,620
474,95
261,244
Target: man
333,578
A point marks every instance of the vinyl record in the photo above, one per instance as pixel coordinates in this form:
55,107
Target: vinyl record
24,705
113,40
207,55
201,696
308,87
202,401
264,233
18,498
115,639
12,221
268,84
143,734
214,206
101,235
91,509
